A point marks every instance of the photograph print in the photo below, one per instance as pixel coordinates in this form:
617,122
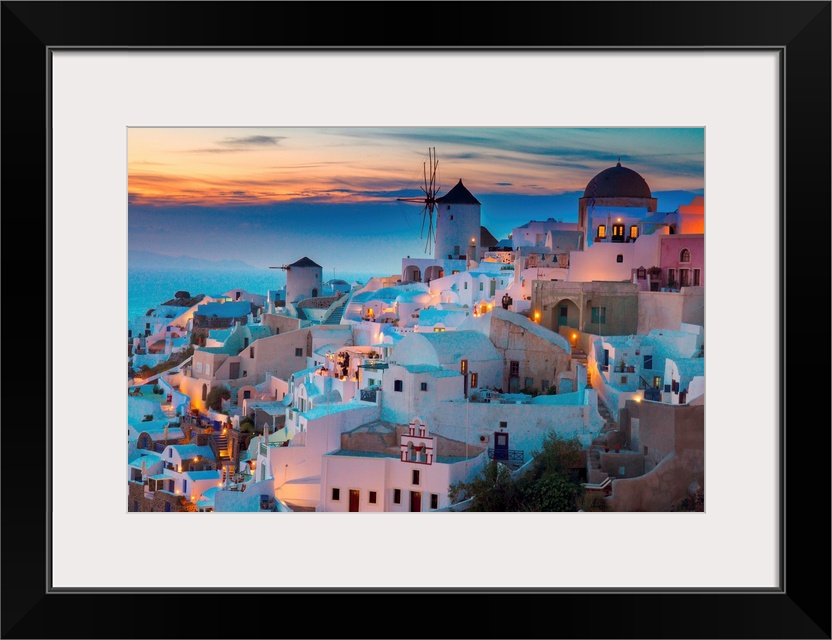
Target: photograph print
416,319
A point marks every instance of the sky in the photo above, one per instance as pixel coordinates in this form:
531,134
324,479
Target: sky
270,196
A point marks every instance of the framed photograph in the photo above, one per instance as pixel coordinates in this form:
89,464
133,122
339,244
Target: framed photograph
754,77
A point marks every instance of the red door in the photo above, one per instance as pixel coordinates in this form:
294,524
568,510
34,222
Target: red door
415,500
353,499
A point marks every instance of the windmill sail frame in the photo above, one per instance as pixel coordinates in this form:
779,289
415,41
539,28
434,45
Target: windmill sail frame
430,189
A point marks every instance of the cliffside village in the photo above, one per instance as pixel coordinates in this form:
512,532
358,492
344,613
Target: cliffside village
378,396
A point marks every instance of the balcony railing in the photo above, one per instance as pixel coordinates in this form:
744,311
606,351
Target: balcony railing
368,395
512,455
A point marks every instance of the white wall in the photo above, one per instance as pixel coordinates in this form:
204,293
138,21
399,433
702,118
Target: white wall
384,475
401,407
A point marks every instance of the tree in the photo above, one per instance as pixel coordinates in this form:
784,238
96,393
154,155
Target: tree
552,492
558,455
552,482
216,396
493,489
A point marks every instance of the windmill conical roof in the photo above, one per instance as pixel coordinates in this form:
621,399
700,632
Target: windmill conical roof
305,262
458,195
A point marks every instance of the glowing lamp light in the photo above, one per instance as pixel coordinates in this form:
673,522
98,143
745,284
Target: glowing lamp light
618,219
574,335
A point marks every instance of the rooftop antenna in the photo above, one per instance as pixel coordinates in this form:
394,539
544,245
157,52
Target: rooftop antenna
430,189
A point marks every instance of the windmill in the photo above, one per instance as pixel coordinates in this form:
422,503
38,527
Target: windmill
430,189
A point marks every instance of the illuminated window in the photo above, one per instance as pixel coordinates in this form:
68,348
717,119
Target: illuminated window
634,232
336,493
463,366
602,231
684,256
474,380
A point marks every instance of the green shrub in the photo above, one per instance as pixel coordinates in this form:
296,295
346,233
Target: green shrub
216,396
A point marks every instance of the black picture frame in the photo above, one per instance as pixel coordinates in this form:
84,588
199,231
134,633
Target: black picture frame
799,31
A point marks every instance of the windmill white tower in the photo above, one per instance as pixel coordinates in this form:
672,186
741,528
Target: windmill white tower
303,279
458,230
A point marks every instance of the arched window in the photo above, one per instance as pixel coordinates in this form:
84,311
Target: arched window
684,256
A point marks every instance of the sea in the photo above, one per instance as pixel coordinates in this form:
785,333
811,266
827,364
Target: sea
148,288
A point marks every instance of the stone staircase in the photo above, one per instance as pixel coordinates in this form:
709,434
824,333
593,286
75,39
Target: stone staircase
335,314
593,455
579,356
221,448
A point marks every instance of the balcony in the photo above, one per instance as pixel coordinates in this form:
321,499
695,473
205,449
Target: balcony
508,455
369,395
